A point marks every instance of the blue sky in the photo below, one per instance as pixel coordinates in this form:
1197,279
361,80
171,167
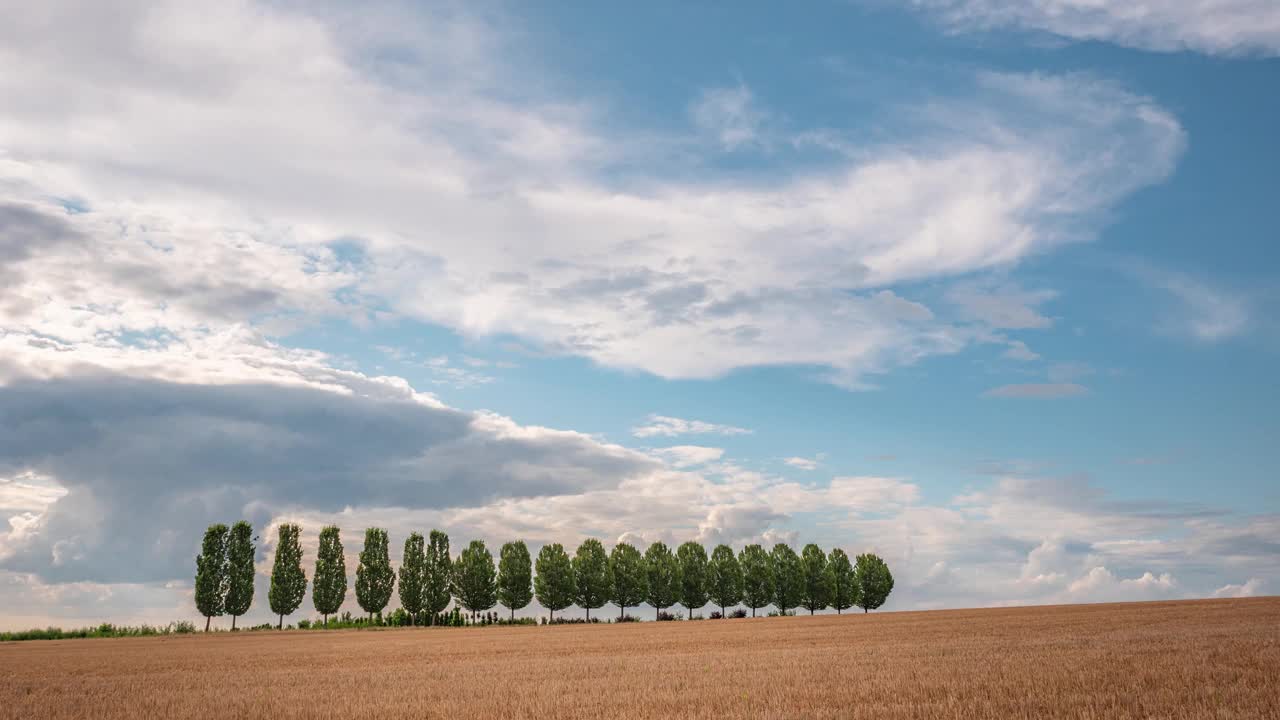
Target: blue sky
986,287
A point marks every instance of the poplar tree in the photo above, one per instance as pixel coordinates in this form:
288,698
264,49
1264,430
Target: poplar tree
374,576
875,582
724,578
211,574
329,584
475,582
240,570
844,584
627,570
788,579
591,576
515,577
437,580
691,558
554,584
288,581
413,568
757,577
662,577
815,588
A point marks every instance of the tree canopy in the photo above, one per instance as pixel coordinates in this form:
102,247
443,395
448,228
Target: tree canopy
691,558
875,582
724,578
211,574
591,576
788,578
474,578
843,582
374,576
329,584
413,569
627,571
815,587
240,570
437,575
515,576
553,585
757,577
661,577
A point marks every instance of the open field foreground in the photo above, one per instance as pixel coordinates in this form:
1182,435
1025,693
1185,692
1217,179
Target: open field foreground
1201,659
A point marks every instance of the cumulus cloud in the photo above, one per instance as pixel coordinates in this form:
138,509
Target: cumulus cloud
802,462
1218,27
683,456
666,426
1250,588
260,190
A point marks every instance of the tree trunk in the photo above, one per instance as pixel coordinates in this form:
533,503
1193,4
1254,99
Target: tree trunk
811,611
864,611
281,625
513,614
233,622
326,619
839,611
588,615
753,612
657,612
622,612
206,623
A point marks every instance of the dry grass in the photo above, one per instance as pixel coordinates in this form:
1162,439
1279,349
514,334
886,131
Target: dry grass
1201,659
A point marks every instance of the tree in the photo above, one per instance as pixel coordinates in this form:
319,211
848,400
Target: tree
691,558
554,584
515,577
627,569
815,587
875,582
374,576
662,576
757,577
437,579
475,581
843,582
288,581
329,584
211,574
788,579
591,576
724,578
413,568
240,571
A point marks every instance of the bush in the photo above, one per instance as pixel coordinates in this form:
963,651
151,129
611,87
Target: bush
304,624
715,615
664,616
104,630
575,621
738,613
628,618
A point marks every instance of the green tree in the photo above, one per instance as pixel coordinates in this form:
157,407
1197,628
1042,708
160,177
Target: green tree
757,577
515,576
788,578
627,569
329,584
843,581
288,581
475,582
413,568
724,578
691,558
875,582
437,580
374,576
211,574
662,577
240,571
815,588
591,576
554,585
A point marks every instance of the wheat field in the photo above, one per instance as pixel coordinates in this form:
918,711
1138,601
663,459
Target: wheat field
1194,659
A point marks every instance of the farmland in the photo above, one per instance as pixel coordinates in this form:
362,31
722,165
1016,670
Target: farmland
1193,659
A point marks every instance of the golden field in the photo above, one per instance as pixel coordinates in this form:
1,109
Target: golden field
1194,659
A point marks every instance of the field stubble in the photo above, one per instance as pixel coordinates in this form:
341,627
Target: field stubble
1196,659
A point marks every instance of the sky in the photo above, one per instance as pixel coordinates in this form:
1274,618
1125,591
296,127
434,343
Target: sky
986,287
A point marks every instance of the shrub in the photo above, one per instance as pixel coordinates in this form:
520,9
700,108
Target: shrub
304,624
715,615
738,613
664,616
628,618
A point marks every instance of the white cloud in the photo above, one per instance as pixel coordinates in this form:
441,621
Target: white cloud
1219,27
802,462
1101,585
666,426
262,191
1250,588
1203,313
730,114
1002,306
683,456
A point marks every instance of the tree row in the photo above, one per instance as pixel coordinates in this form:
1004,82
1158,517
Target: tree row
430,578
